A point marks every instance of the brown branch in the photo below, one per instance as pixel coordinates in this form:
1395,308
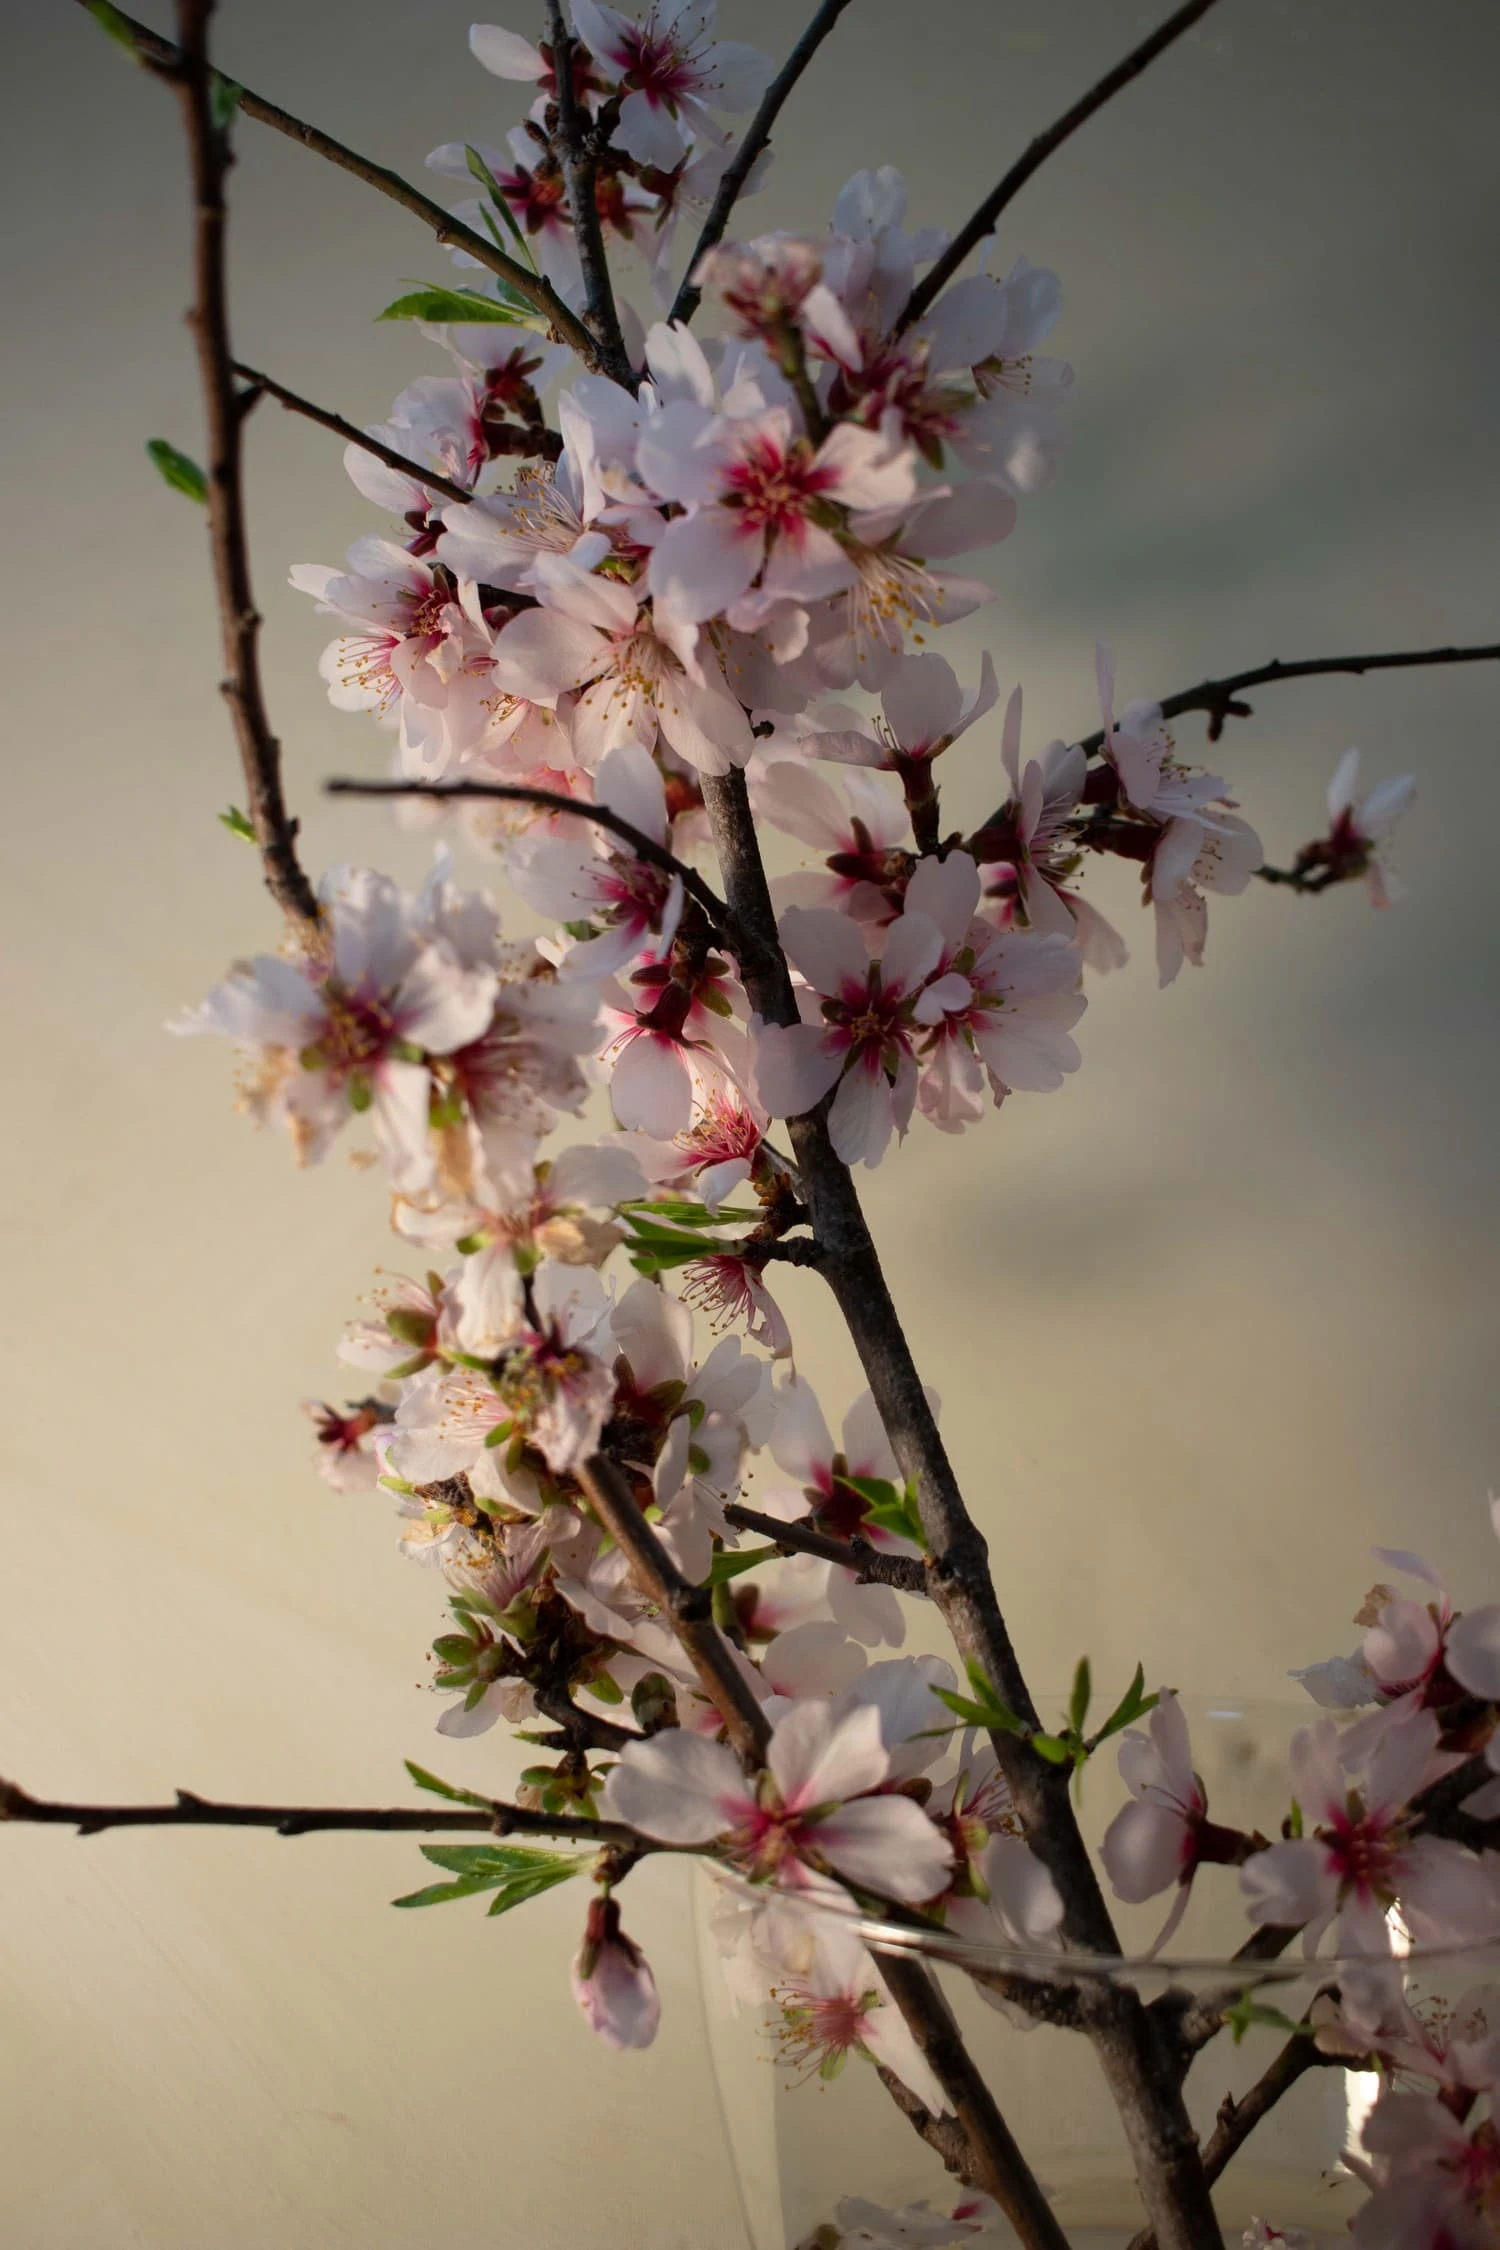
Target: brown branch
266,384
741,164
159,54
577,155
493,1817
982,223
1237,2120
1221,698
509,793
983,2150
687,1608
260,752
869,1565
1134,2050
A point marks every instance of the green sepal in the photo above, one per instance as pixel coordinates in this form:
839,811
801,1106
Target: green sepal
733,1565
224,98
1246,2012
238,824
1078,1702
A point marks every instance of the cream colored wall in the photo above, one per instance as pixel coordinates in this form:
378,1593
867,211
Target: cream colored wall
1207,1324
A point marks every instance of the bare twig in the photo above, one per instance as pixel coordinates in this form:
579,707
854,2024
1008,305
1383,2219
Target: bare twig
160,54
982,223
986,2155
260,752
869,1565
267,385
742,163
578,164
687,1608
507,793
1221,698
1237,2120
494,1817
1135,2050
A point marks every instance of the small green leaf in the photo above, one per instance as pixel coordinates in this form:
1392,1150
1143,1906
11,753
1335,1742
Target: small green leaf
223,100
238,824
455,1796
1132,1705
1052,1747
727,1566
1246,2012
487,179
445,305
1078,1702
117,26
439,1894
178,471
887,1509
606,1689
524,1887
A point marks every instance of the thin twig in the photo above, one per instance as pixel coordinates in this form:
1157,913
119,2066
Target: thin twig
494,1817
160,54
687,1608
260,752
578,164
329,421
1220,697
987,2157
982,223
742,163
869,1565
1237,2119
509,793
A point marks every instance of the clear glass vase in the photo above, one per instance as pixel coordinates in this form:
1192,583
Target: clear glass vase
802,2144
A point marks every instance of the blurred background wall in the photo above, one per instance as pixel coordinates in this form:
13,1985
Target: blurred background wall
1208,1324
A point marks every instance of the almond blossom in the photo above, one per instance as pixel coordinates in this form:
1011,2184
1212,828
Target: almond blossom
1193,856
760,503
420,651
859,825
839,2006
591,633
812,1806
866,1044
612,1981
351,1028
1157,1840
592,876
1360,1857
1359,826
673,72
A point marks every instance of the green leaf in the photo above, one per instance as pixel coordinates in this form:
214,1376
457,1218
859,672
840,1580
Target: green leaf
524,1887
487,179
1078,1702
426,1780
511,1870
238,824
223,100
439,1894
1052,1747
440,304
1246,2012
888,1509
110,21
1133,1704
690,1214
727,1566
178,471
988,1715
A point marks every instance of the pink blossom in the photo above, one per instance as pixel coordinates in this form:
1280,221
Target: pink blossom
612,1981
774,287
760,499
729,1288
1156,1841
1359,1858
1192,856
866,1044
346,1453
673,73
811,1806
591,633
592,876
839,2006
859,824
1358,827
351,1027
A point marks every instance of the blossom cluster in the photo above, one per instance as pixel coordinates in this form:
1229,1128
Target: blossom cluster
668,586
